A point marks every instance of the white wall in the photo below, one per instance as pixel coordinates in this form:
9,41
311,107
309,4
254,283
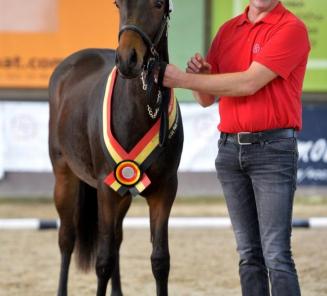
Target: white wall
24,137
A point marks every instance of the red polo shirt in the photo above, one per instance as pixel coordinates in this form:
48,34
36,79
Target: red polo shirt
280,42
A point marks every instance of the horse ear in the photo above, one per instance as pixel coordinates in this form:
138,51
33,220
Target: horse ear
170,6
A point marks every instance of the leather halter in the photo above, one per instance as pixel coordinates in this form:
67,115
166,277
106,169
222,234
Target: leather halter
155,62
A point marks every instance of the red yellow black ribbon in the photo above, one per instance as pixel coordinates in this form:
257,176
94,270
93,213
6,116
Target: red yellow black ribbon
129,174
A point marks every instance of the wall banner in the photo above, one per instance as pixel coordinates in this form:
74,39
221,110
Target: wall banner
313,146
24,140
200,138
25,136
35,35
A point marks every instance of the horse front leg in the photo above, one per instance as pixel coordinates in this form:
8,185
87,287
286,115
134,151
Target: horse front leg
160,206
66,188
123,207
107,250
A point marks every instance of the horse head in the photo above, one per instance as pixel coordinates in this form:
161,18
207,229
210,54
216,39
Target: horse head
143,25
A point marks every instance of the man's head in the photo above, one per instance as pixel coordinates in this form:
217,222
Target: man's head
263,5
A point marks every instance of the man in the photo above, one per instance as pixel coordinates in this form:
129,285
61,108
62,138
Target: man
256,65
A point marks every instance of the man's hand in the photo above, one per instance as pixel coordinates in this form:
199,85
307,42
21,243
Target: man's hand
173,76
198,65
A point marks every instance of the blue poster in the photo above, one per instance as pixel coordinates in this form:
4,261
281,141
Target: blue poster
312,144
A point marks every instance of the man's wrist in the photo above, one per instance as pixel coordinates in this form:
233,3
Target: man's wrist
185,80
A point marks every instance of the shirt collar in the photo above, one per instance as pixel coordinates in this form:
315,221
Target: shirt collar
243,18
271,18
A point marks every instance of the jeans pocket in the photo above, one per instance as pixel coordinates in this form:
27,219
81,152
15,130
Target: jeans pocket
284,152
219,154
282,145
220,142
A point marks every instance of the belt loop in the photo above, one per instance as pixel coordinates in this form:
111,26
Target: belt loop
262,139
224,138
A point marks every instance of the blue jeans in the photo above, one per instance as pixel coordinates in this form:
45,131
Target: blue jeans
259,181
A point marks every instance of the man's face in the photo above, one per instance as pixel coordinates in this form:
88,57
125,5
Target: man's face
263,4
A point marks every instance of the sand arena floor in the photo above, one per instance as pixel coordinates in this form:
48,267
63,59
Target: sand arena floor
203,261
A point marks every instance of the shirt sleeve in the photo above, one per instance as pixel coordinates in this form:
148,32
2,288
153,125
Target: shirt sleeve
286,49
212,55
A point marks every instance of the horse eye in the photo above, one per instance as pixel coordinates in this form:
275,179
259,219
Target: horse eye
159,4
115,2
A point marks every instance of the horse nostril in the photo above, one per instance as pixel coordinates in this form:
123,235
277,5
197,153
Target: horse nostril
133,58
127,61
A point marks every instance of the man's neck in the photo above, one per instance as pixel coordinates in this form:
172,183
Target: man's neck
256,14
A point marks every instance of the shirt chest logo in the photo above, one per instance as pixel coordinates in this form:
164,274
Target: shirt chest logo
256,48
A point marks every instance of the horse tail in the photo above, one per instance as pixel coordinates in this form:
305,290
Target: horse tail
86,226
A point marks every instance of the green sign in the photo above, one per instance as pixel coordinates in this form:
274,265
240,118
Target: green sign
312,13
186,36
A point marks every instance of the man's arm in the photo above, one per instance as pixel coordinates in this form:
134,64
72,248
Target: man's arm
207,86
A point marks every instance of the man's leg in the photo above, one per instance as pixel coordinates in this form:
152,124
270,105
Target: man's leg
273,173
241,205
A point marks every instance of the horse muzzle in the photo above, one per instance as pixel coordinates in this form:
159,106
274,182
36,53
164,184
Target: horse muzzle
130,55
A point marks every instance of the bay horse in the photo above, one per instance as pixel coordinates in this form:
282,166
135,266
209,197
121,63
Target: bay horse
93,190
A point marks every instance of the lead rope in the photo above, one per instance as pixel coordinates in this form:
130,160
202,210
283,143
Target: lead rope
153,113
150,81
163,97
164,124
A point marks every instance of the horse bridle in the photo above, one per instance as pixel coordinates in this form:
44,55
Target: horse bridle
153,62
